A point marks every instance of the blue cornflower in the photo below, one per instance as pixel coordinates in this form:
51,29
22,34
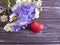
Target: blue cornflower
15,28
14,8
25,13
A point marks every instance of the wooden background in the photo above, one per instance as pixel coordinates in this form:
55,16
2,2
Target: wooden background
50,17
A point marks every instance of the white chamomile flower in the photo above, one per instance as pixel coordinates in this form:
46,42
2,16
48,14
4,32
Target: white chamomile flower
39,3
12,17
4,18
18,2
37,13
8,28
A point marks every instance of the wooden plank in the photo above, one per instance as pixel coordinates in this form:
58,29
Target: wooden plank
29,38
50,16
50,9
51,24
51,3
52,0
50,12
50,34
29,44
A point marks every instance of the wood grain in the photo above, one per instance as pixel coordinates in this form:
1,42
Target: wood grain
29,44
50,9
50,35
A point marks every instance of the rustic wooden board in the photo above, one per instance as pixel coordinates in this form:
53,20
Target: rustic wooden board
50,17
50,9
50,34
51,3
29,44
52,0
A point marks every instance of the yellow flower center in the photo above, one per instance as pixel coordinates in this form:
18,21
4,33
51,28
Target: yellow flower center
27,0
3,18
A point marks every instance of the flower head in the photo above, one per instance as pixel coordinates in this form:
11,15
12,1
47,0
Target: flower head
15,28
8,27
4,18
12,17
37,14
26,12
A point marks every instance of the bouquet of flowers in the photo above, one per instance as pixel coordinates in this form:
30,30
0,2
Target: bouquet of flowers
21,15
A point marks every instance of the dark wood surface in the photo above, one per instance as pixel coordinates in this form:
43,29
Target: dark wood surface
50,17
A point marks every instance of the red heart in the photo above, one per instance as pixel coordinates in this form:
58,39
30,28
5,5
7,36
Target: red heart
36,27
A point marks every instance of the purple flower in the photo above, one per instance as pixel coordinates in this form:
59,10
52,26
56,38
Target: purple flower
14,8
15,28
25,15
